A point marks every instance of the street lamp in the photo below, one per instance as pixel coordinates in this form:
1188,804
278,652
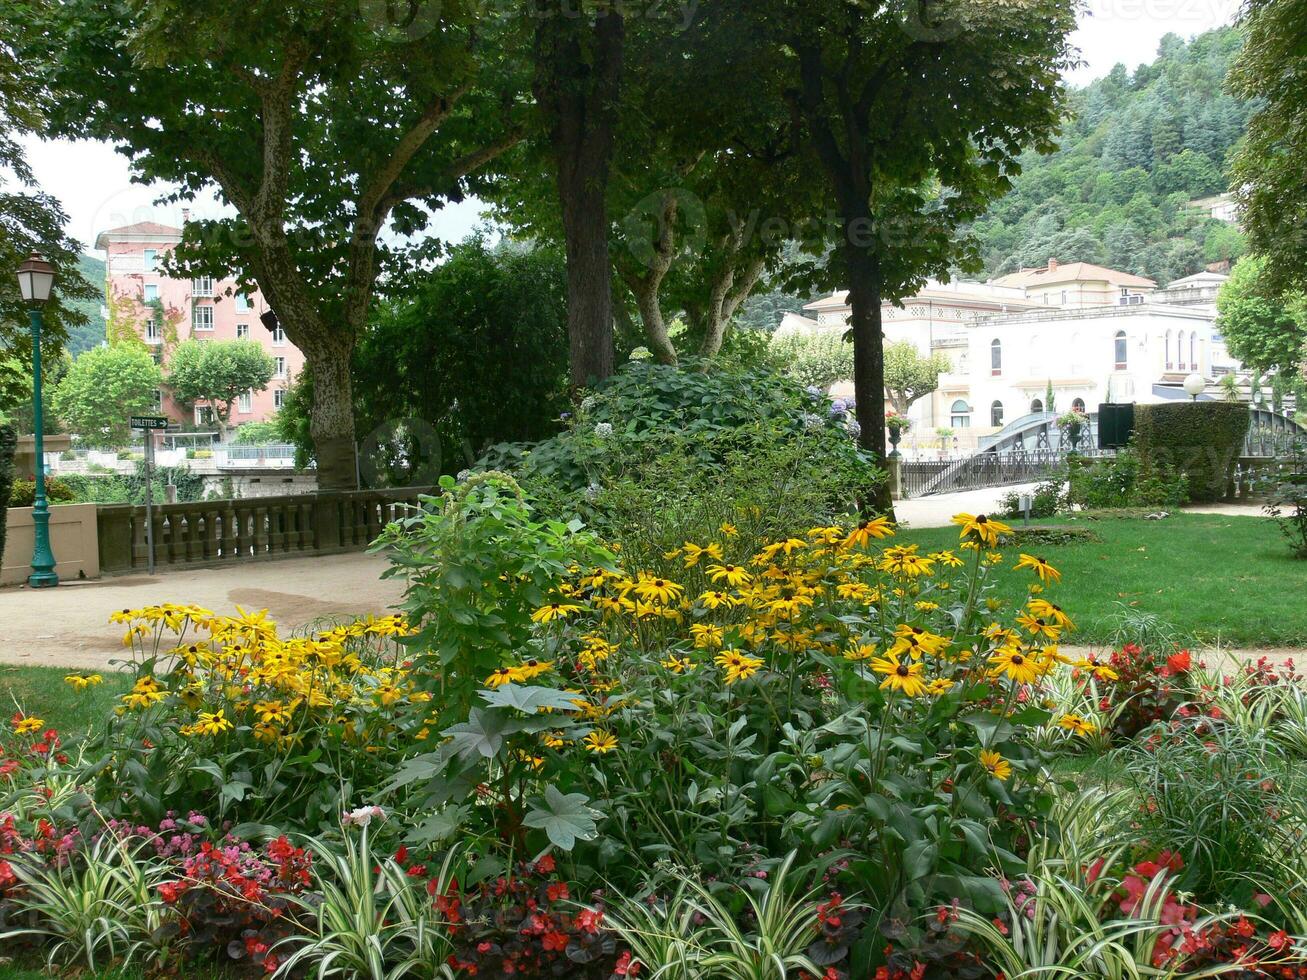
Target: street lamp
35,280
1195,385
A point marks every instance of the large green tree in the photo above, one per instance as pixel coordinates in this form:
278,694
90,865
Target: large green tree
914,114
1270,176
321,124
1262,327
911,375
103,388
218,372
30,220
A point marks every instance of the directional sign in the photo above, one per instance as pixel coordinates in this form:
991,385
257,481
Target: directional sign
149,422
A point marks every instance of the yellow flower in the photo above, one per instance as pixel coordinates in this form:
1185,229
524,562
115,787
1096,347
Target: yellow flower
1050,612
995,764
738,666
984,529
900,676
706,636
209,723
925,606
694,552
1039,627
728,530
714,599
1101,672
555,610
657,590
1017,666
948,559
81,682
125,615
500,676
904,560
1045,571
677,665
532,668
863,651
600,742
25,726
1080,726
145,692
732,575
865,532
939,686
915,641
272,712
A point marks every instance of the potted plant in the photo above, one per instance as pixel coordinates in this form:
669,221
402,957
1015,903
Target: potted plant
897,425
1073,424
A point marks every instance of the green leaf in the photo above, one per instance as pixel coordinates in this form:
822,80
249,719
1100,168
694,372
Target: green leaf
529,699
482,734
565,818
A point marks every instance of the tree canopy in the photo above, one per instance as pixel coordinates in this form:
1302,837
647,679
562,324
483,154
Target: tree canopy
103,388
1262,327
911,375
218,372
322,125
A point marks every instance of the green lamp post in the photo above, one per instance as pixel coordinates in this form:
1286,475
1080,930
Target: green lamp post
35,280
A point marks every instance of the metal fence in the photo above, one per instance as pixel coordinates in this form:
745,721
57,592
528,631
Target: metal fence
985,470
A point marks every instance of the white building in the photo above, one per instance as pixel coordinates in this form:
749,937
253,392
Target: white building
1088,333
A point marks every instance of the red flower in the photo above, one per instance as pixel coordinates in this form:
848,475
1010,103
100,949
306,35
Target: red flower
589,920
1179,663
555,941
545,865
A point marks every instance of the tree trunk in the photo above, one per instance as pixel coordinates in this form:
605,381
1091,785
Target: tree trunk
331,417
651,315
868,358
579,69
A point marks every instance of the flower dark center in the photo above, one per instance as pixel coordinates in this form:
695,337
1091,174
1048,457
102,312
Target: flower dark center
1018,659
903,670
982,519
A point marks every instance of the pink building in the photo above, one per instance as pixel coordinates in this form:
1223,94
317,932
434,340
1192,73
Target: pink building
164,311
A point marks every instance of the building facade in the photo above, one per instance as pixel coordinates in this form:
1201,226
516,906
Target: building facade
164,311
1083,333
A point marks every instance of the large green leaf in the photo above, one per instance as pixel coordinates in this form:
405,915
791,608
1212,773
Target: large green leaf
564,817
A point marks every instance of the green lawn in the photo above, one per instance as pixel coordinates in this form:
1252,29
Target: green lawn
1226,579
41,691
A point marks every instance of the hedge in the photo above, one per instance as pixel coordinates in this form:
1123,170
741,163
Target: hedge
8,443
1204,440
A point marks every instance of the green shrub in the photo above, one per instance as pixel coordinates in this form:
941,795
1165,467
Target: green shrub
1288,502
57,491
818,359
655,440
258,433
1047,499
8,443
1202,440
1124,481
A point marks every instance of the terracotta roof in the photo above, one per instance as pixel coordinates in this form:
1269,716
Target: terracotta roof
147,229
1072,272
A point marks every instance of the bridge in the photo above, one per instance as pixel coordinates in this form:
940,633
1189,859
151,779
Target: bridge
1034,447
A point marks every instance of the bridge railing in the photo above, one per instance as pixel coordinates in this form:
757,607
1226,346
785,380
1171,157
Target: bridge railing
208,532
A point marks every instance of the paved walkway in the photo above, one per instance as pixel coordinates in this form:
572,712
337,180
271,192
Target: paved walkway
69,626
938,510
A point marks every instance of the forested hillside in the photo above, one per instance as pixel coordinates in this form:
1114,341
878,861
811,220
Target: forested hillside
90,334
1136,150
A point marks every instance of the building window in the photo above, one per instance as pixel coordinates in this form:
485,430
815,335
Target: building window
960,417
203,286
149,260
242,303
1036,406
1064,297
1193,351
996,358
1078,406
281,367
158,400
1119,345
151,293
1170,362
1179,350
278,337
242,331
202,318
278,398
153,330
245,403
996,414
203,415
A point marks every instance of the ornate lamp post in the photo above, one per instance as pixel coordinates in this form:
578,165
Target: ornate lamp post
35,280
1195,385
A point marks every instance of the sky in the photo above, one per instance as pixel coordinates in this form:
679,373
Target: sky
93,183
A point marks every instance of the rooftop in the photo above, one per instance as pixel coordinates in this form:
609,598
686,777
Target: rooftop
1055,272
141,231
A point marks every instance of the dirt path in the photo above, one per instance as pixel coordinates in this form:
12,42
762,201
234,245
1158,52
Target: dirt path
69,626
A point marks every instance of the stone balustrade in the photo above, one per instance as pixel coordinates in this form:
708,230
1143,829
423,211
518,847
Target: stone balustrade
212,532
